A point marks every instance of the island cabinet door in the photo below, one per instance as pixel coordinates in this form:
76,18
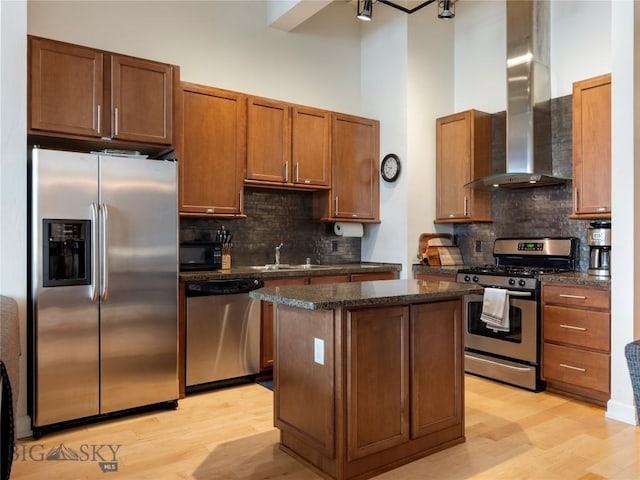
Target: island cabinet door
436,367
304,404
377,373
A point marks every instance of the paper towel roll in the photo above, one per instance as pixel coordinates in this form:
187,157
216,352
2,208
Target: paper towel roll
348,229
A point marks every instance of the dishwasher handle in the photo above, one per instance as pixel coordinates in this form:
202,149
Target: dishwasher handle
206,288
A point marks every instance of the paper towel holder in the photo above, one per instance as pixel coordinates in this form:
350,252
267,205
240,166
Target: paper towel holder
343,229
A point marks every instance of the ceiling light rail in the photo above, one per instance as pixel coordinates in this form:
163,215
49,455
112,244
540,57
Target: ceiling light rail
446,8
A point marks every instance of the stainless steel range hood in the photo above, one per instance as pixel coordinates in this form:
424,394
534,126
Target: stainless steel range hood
528,152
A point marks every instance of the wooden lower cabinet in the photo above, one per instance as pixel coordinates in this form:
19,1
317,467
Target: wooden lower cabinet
377,372
328,279
576,325
436,367
368,277
389,388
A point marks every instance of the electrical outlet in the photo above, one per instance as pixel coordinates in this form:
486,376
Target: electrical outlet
478,246
318,351
334,245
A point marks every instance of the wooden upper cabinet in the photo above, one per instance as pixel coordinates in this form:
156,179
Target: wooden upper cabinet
287,145
65,88
142,100
463,154
81,93
355,189
268,141
592,148
311,146
211,151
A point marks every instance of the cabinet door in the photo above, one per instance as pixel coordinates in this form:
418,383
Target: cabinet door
213,147
266,324
268,140
436,367
142,100
354,182
329,279
368,277
65,88
453,164
592,147
310,135
463,154
377,370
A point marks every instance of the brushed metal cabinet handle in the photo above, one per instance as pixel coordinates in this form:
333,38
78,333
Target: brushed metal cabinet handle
575,297
571,367
573,327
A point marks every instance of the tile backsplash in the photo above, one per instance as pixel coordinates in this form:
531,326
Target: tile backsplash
537,211
274,217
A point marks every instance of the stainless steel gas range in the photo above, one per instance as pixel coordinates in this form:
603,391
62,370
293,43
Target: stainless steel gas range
512,354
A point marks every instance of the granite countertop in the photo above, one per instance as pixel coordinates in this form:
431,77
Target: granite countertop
570,278
577,278
248,271
363,294
447,270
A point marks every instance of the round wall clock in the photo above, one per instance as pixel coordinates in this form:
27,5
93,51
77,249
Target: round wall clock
390,168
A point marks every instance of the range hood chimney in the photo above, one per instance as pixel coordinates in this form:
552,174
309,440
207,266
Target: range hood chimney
528,152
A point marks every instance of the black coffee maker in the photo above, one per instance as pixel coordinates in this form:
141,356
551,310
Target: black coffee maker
599,241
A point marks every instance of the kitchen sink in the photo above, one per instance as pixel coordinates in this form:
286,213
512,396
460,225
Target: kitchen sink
286,266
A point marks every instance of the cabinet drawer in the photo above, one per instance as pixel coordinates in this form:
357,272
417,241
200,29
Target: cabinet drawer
576,367
582,328
576,296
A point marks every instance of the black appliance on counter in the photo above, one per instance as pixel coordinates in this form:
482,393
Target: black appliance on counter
200,256
513,356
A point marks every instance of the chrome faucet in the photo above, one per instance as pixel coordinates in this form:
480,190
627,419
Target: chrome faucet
278,254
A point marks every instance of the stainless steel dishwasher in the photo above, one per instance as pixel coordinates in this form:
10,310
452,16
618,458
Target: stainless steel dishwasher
222,331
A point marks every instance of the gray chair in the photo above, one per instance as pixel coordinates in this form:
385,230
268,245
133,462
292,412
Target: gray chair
632,352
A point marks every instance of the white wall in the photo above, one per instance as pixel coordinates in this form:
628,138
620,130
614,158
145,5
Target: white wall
13,175
625,199
580,35
431,95
384,96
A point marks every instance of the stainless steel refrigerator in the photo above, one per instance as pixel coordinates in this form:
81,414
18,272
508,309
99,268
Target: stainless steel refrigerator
104,284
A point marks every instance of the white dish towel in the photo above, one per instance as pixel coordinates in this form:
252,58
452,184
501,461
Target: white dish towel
495,309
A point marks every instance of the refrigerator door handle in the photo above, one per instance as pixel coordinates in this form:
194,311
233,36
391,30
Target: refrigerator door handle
94,242
105,257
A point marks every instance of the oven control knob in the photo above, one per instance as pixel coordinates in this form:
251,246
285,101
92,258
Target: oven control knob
476,279
467,278
512,281
522,283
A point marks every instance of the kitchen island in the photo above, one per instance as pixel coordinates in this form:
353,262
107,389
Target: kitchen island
368,376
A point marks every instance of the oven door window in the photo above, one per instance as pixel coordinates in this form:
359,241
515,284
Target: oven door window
475,326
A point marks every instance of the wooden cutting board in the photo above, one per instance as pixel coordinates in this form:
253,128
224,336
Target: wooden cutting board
427,240
450,256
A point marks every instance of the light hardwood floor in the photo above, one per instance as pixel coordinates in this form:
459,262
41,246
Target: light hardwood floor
228,434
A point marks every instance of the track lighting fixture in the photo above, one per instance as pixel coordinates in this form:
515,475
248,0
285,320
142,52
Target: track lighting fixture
365,9
445,8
